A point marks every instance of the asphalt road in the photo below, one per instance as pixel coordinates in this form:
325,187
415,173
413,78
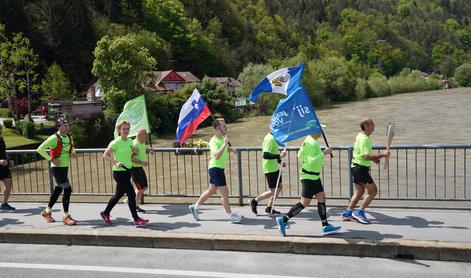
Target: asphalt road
19,260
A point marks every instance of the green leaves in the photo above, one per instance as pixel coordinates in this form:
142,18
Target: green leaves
120,63
55,85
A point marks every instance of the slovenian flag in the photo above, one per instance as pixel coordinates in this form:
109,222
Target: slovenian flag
193,113
284,81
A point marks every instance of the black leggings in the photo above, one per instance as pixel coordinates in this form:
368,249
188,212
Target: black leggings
62,181
123,186
65,199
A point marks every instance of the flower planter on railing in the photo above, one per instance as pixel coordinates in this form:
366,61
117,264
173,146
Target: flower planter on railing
190,148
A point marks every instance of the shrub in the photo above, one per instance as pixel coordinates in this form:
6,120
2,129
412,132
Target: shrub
79,135
28,129
4,113
361,88
463,75
413,82
378,85
8,123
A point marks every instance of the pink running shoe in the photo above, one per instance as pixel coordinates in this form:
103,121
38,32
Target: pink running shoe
106,218
140,222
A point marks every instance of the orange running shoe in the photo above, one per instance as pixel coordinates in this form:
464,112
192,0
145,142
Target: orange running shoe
68,220
47,216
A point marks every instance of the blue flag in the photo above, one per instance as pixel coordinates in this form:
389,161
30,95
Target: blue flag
284,81
294,117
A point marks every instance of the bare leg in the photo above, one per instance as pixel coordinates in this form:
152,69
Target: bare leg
208,193
270,202
225,198
359,191
8,186
139,194
372,190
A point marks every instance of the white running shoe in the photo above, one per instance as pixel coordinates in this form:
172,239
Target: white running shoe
234,217
194,211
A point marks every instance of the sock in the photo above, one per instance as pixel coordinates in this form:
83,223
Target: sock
48,210
66,214
322,210
293,211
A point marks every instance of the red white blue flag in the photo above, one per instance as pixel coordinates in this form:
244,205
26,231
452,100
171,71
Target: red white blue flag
193,113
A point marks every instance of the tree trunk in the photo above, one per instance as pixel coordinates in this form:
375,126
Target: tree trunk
29,96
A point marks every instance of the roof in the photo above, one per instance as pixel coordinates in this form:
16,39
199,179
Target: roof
90,84
188,76
185,76
224,80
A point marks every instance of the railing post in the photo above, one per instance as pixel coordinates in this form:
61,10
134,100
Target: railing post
350,177
51,181
239,173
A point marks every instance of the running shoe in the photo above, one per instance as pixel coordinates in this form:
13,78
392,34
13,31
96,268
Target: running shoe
253,205
274,212
106,218
347,215
194,211
281,225
68,220
359,215
330,229
234,217
6,206
140,222
47,216
139,209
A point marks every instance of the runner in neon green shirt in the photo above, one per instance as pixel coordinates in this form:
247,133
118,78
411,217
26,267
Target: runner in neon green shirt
270,164
219,147
119,153
218,159
361,163
312,158
60,147
362,147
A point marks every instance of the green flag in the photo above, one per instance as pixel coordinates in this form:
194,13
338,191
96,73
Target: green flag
135,113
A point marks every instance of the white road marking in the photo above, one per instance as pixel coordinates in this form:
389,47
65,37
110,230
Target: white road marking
171,272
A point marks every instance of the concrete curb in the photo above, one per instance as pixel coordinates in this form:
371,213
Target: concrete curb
410,249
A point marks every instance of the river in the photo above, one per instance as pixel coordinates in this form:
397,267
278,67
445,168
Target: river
431,117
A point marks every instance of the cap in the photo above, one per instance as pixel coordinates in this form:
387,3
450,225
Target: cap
61,122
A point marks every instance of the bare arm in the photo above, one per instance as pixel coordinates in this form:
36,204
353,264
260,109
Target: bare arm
376,157
219,152
108,155
137,161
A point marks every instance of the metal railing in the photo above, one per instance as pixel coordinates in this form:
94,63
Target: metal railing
416,172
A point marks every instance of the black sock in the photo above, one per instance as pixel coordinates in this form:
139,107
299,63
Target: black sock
293,211
322,210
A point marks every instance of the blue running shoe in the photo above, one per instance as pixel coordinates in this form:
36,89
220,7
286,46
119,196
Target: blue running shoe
329,229
347,215
281,225
194,211
359,215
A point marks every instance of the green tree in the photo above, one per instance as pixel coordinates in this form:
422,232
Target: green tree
55,85
15,57
463,75
121,64
28,75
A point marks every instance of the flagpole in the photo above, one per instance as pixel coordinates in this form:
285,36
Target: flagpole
326,143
